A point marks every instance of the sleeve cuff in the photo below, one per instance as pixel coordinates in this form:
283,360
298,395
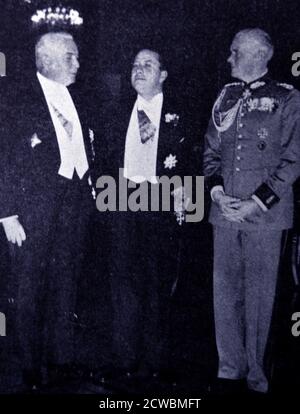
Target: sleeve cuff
259,202
266,195
214,189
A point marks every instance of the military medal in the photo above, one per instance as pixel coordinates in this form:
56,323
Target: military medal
263,134
261,145
246,94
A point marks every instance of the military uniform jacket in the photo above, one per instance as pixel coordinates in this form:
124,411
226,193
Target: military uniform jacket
252,148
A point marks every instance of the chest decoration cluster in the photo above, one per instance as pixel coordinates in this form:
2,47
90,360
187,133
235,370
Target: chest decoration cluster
245,102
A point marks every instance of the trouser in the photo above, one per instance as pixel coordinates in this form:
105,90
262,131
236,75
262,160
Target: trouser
46,270
245,276
143,276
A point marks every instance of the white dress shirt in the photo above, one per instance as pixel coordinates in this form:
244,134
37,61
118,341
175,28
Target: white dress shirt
140,159
72,151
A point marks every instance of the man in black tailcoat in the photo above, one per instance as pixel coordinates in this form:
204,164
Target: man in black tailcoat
145,139
48,199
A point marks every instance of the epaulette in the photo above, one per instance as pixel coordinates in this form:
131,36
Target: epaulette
285,85
233,84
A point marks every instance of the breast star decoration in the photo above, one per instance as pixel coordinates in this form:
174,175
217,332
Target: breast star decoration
170,161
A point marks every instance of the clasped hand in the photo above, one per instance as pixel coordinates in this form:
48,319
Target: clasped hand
234,209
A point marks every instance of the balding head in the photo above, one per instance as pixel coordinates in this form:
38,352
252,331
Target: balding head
259,40
251,50
57,57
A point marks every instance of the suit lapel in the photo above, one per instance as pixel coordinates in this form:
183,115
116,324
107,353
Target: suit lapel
166,140
45,128
168,135
39,124
40,114
124,115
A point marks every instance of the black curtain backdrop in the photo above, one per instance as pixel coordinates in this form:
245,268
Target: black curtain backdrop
193,35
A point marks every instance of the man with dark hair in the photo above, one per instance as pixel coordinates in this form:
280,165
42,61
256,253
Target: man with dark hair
48,195
146,138
251,160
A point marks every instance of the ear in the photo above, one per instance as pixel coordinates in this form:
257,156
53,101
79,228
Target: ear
47,60
163,76
261,55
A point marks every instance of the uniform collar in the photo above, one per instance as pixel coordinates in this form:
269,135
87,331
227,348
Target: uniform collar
256,83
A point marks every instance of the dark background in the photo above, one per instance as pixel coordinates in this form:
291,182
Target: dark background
194,36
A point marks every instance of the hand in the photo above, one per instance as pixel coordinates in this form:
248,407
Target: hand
225,202
244,210
14,231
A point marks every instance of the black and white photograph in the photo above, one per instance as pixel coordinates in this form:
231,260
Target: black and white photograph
150,201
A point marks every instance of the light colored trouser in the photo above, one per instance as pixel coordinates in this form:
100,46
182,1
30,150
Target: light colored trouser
245,276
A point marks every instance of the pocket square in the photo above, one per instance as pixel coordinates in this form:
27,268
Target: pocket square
34,140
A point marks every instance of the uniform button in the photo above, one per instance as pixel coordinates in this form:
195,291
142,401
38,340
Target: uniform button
241,125
242,114
240,136
237,169
238,158
239,147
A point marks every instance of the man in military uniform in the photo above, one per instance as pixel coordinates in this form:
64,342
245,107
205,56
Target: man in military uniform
251,160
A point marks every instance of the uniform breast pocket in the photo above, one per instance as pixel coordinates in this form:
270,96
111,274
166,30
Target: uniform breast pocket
269,151
268,145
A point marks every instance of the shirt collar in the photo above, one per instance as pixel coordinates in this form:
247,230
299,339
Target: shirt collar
49,84
153,105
